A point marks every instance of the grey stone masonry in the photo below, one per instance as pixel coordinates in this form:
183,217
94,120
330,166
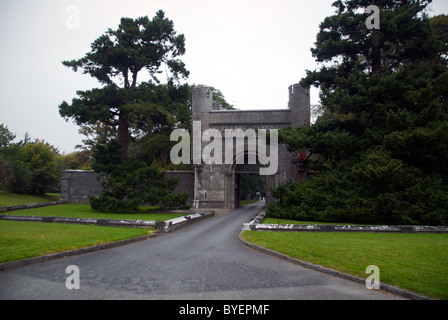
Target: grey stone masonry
217,185
78,185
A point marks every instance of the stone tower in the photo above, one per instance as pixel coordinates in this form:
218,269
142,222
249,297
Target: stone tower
299,104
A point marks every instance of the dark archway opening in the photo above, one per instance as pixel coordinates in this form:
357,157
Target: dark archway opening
249,184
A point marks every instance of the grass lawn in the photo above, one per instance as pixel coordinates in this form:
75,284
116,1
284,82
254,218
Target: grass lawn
13,199
414,262
20,240
85,211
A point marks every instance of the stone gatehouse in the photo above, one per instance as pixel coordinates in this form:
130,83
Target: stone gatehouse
217,186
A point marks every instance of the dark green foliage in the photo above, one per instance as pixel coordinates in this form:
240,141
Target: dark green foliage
250,184
27,167
383,156
377,190
43,167
131,183
107,158
119,56
137,44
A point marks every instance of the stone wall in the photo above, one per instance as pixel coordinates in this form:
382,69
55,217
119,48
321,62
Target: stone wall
78,185
186,183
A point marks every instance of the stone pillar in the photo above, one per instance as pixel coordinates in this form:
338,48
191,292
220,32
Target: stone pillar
197,186
270,183
65,187
229,182
299,104
202,104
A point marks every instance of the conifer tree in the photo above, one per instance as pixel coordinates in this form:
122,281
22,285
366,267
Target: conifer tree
382,154
116,60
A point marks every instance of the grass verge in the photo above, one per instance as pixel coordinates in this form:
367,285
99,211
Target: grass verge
85,211
8,199
21,240
414,262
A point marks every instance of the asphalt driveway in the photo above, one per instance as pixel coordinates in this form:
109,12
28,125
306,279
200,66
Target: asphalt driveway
204,260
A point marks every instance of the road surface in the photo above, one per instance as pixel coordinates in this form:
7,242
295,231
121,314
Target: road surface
202,261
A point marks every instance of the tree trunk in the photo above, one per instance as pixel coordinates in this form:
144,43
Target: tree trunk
123,134
376,55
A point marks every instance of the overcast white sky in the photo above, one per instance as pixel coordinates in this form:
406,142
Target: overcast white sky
252,50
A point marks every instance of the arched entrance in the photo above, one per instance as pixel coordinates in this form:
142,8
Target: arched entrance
250,184
247,177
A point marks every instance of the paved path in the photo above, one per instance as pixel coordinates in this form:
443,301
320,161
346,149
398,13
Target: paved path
204,260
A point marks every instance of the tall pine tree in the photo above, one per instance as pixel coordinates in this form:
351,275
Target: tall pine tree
116,60
132,108
382,150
